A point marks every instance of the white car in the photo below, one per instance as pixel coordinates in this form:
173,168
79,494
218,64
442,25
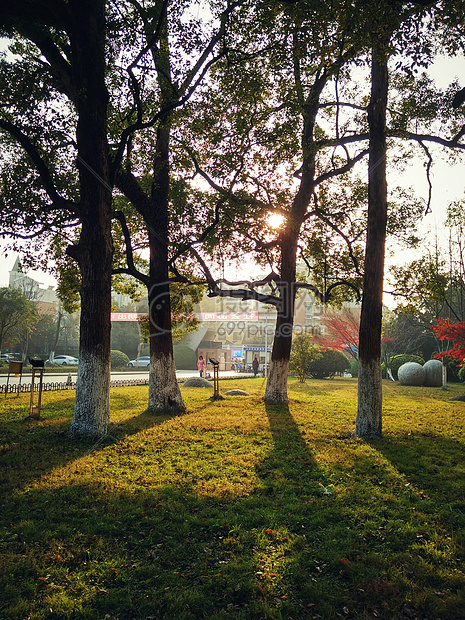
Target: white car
142,362
66,360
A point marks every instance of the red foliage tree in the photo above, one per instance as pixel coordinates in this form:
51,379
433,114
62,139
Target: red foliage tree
341,332
455,334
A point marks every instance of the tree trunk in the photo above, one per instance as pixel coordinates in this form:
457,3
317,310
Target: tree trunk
95,249
369,412
276,385
164,392
92,406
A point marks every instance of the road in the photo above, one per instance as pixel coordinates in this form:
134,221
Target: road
50,377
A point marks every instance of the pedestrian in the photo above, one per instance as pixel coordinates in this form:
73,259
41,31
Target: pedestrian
255,366
201,365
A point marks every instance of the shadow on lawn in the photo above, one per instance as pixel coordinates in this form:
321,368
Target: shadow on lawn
290,462
287,548
435,466
30,449
168,550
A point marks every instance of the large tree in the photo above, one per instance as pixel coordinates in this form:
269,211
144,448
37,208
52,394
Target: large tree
393,27
54,114
305,65
278,155
179,51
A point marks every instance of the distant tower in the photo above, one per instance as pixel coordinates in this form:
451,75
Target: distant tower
22,282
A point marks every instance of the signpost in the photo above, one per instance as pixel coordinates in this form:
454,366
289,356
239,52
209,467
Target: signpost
37,366
216,379
15,368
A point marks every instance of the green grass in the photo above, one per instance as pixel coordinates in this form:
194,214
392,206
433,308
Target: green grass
235,509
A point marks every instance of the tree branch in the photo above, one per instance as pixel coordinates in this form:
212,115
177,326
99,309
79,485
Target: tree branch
426,138
338,171
131,268
187,89
58,202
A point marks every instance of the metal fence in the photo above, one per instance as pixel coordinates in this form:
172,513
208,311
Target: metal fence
65,385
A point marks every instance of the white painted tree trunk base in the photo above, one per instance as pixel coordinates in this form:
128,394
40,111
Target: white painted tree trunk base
370,400
92,405
276,384
164,392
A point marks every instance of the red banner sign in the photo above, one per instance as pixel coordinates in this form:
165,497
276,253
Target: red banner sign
126,316
227,316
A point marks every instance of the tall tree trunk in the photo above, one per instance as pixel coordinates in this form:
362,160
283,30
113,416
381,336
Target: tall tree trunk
95,249
370,398
276,385
164,392
92,406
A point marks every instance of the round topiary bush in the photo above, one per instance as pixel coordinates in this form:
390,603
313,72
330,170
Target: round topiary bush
197,382
411,373
398,360
329,364
118,359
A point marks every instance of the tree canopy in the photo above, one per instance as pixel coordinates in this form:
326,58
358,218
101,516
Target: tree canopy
17,315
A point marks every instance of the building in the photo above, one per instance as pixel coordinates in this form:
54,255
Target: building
46,298
234,331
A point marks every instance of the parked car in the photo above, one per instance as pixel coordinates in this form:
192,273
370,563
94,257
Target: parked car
142,362
65,360
4,357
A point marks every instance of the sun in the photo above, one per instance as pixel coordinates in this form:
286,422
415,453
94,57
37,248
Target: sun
275,220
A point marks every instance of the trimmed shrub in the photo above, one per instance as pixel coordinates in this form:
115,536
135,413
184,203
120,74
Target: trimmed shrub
184,357
199,382
118,359
353,368
302,354
329,364
398,360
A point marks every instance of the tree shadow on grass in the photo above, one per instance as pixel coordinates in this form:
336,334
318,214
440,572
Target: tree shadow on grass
435,466
30,449
167,550
290,464
110,541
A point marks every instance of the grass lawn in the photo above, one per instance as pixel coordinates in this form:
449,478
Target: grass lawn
235,509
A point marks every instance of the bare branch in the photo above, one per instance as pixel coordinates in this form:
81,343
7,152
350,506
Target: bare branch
426,138
182,94
131,268
201,238
428,176
338,171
